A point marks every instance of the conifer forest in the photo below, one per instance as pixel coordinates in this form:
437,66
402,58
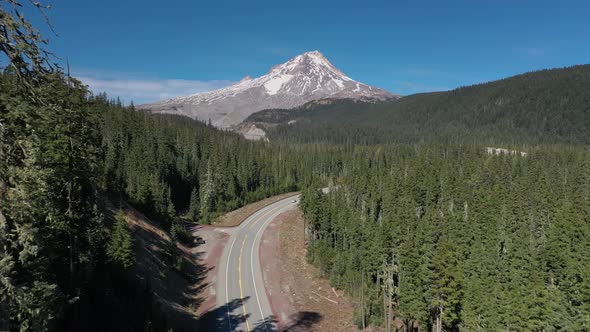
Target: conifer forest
423,221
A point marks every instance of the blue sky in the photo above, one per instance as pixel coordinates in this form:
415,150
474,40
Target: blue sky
148,50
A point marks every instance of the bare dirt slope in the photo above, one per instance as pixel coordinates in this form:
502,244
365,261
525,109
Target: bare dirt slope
296,290
174,272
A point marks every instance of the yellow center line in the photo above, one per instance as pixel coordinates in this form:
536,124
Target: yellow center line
262,217
240,282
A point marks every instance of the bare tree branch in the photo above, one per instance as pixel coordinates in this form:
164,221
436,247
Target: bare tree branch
24,46
22,43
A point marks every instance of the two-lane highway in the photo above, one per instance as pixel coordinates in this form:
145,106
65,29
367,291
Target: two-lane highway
240,285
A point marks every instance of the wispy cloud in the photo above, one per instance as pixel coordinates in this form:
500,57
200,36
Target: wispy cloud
141,90
535,51
532,51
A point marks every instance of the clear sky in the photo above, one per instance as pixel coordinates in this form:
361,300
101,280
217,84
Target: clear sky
148,50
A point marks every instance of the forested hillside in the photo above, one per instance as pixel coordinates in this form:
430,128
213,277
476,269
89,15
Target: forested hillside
66,154
167,165
423,228
449,238
543,107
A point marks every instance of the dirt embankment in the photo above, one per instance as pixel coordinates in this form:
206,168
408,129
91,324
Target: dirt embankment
174,272
295,288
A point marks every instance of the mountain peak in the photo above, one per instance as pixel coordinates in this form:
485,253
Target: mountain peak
307,63
306,77
245,78
315,52
316,56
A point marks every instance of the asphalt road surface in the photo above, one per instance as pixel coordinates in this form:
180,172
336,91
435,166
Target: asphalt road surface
241,295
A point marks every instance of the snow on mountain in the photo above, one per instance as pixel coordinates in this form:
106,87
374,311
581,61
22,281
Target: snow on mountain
306,77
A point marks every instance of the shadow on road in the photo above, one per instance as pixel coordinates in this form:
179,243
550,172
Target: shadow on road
224,318
229,317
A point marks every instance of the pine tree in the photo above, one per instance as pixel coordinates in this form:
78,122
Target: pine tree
120,247
207,195
194,206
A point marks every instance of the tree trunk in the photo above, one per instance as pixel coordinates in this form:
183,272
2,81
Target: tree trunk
363,299
439,319
389,314
304,231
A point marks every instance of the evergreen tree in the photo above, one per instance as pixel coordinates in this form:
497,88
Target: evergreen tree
120,247
194,206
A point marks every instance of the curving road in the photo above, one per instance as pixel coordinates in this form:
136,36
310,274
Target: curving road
239,286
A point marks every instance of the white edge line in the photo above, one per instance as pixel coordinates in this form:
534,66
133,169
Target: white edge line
248,221
256,215
256,238
252,269
226,279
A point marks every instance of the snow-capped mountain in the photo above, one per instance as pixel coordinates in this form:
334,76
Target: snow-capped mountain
306,77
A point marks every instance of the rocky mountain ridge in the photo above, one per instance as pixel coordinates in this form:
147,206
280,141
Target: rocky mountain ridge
304,78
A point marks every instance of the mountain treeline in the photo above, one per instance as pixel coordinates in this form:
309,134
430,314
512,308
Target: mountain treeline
542,107
449,238
169,165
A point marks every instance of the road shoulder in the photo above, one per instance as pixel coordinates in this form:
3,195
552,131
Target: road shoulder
301,300
213,241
